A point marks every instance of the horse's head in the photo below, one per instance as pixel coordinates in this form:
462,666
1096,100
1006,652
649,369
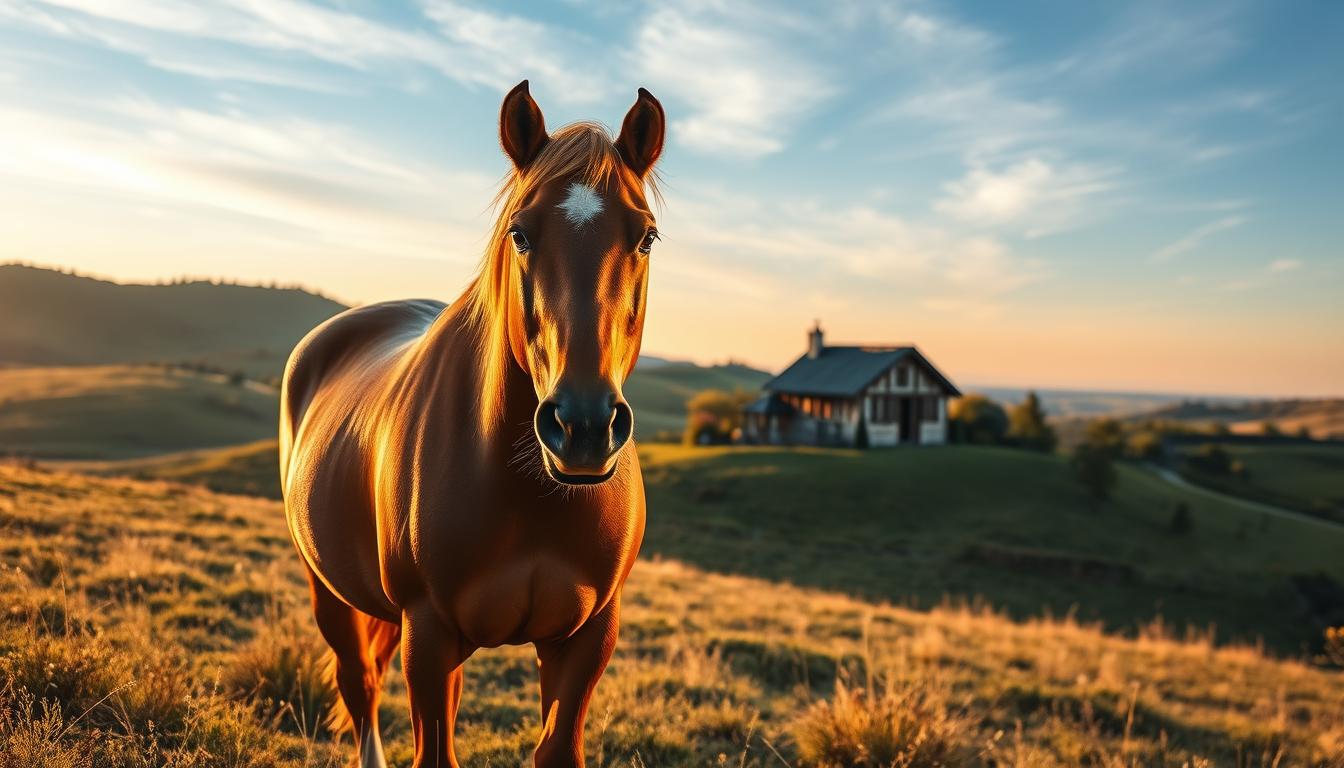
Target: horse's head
576,232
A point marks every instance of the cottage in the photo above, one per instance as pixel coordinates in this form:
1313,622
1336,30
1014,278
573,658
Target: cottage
852,396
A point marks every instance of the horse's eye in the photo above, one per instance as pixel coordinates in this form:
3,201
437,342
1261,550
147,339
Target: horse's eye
646,244
520,243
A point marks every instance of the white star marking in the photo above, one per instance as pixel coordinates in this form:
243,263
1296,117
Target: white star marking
581,204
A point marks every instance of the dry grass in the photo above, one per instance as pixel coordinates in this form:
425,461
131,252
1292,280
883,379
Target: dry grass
895,721
147,624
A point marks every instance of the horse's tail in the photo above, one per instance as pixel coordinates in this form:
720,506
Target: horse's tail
382,638
338,717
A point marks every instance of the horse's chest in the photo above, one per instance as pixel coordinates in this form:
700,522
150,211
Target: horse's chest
528,599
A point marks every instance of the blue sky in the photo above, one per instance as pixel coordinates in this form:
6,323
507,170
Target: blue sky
1125,196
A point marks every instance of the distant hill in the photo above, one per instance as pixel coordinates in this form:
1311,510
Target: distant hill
659,393
49,318
1324,418
1067,403
118,412
123,411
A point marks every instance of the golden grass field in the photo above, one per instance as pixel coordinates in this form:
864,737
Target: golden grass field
154,624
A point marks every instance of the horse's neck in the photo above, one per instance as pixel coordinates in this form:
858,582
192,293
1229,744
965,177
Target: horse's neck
481,374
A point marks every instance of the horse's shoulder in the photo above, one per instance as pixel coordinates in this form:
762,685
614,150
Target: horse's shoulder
357,334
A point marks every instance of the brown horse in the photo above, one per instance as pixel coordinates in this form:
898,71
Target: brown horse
459,477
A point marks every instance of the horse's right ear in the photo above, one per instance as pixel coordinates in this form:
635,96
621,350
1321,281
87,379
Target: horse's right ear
522,129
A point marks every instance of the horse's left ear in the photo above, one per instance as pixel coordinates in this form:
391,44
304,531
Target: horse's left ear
641,139
522,129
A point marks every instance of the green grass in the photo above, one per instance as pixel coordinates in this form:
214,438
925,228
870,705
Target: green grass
151,624
913,525
118,412
1307,478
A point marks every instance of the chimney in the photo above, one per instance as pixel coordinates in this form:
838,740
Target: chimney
815,341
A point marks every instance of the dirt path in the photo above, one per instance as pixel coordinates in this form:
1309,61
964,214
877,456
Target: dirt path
1180,482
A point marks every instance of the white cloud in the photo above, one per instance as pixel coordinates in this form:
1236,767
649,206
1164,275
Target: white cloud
744,88
1283,265
777,251
1042,196
1156,36
316,182
1195,238
474,47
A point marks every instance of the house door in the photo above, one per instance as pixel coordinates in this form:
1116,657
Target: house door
909,413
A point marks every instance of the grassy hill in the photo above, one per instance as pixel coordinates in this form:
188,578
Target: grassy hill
249,469
659,393
916,526
1307,477
117,412
150,624
48,318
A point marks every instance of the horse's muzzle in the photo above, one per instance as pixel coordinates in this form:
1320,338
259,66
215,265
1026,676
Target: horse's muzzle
580,434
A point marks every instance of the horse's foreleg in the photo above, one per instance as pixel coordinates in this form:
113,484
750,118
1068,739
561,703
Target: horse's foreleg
431,658
570,669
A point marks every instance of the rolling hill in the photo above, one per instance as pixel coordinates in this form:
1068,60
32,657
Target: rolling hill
150,624
659,393
917,526
120,407
121,411
117,412
50,318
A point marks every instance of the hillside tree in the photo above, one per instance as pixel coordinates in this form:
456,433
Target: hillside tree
1094,467
714,416
978,420
1028,428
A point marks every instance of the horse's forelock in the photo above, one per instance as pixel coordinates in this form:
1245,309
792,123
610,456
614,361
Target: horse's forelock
583,151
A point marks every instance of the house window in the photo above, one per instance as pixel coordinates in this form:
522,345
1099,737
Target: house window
902,376
930,409
885,409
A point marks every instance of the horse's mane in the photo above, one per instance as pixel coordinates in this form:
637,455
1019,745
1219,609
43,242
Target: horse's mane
582,150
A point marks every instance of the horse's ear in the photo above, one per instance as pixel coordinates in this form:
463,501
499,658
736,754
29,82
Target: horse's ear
522,129
641,139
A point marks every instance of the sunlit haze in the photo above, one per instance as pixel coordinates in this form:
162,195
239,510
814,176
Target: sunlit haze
1145,196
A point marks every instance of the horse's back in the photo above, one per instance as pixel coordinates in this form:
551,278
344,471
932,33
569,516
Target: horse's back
355,337
329,402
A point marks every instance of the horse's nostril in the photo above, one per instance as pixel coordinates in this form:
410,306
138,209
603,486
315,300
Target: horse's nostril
622,425
550,429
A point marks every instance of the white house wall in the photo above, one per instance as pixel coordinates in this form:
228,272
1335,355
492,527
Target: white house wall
935,432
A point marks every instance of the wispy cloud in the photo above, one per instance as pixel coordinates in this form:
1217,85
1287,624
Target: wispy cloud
1033,192
318,181
729,64
801,247
471,46
1196,238
1283,265
1174,38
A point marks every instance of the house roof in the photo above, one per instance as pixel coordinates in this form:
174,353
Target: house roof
769,405
846,371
